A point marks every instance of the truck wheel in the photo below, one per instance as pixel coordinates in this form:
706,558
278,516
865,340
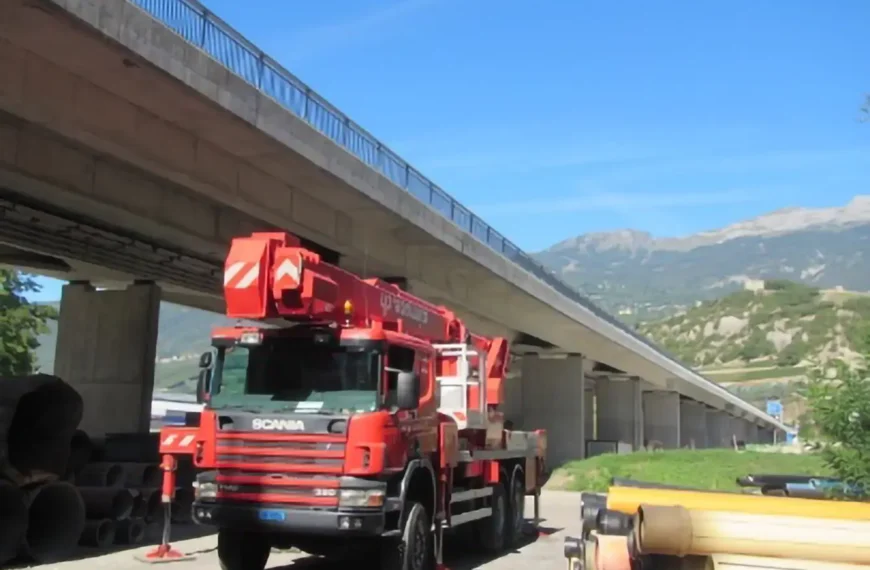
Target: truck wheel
241,550
413,551
516,508
492,530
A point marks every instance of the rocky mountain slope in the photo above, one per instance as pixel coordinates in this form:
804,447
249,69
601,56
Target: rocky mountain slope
641,277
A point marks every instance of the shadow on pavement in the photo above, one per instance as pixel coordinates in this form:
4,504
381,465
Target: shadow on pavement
456,554
152,538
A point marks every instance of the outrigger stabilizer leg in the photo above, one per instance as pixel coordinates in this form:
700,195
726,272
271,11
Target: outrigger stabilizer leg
164,552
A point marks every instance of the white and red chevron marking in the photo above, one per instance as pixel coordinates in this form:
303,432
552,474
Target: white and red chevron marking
288,274
177,440
241,274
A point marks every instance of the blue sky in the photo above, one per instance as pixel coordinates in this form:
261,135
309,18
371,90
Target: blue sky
569,117
556,118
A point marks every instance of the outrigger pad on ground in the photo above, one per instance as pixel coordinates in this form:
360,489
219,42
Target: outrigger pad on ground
163,555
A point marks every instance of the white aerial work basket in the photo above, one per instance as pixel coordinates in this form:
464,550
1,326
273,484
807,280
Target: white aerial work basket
455,391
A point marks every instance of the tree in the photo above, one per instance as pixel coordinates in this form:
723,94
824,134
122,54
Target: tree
21,323
840,414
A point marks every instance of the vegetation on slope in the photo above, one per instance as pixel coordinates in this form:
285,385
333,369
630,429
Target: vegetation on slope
785,326
680,467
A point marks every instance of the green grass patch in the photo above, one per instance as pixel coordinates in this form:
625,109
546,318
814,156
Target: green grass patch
760,374
712,469
176,375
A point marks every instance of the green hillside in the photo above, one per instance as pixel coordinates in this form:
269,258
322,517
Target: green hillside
759,344
783,325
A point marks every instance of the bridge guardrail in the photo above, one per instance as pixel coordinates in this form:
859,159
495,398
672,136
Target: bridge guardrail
196,24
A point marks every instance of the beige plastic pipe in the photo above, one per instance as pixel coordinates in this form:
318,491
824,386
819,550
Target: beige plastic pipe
611,552
679,531
628,499
738,562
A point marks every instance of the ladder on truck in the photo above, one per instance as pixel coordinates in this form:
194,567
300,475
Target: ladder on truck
456,392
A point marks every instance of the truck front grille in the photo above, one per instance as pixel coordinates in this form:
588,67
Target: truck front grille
298,469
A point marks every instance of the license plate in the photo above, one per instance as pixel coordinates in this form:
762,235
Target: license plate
272,515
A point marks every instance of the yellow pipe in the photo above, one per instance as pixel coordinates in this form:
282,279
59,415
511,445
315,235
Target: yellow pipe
628,499
678,531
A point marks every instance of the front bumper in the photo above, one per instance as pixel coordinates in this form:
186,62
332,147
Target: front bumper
281,518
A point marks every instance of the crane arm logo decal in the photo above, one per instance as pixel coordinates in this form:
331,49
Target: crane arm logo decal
393,304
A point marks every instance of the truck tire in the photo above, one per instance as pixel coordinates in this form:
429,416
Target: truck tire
492,530
516,512
243,550
413,551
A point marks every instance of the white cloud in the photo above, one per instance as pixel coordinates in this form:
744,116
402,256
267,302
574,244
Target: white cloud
620,202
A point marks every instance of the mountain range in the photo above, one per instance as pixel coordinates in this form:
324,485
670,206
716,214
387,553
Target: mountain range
641,277
635,275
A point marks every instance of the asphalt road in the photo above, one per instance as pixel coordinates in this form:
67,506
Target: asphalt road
560,511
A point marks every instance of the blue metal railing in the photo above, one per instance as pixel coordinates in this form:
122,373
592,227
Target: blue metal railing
192,21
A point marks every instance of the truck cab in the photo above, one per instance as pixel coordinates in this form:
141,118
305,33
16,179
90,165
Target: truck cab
314,428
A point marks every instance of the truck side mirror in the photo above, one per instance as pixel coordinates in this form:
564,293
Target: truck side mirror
407,391
205,359
203,386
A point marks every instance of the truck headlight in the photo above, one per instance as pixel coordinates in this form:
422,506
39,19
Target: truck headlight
251,338
360,497
205,490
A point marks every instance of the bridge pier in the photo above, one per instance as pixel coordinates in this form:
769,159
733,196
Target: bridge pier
662,418
619,410
718,428
106,348
693,424
554,398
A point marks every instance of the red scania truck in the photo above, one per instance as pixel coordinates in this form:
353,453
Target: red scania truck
355,419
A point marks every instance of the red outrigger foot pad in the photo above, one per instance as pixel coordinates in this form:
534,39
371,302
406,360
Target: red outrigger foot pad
163,554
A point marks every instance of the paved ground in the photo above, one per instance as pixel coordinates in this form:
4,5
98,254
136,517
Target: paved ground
560,510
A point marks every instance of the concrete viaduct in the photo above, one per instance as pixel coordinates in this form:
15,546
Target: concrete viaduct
136,138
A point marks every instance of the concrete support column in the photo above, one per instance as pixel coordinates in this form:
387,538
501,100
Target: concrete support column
553,398
589,412
106,348
765,435
732,430
718,428
693,424
661,418
619,410
752,433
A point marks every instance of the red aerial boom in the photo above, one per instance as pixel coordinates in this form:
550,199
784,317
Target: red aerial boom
270,275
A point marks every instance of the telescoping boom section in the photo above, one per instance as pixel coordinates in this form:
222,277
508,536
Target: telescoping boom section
359,420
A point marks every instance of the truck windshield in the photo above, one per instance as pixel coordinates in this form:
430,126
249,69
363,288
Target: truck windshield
294,374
